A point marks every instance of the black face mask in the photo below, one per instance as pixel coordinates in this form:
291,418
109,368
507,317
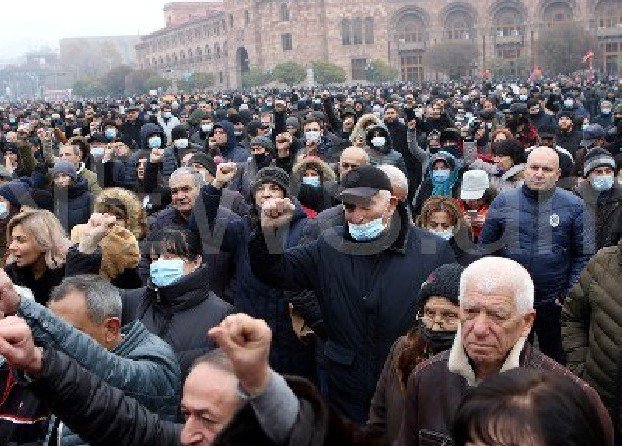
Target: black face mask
261,159
438,341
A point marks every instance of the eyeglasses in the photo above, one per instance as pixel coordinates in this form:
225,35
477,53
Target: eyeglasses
444,318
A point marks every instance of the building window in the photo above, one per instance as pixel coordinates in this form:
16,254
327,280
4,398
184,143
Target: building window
220,77
369,30
286,41
284,12
357,31
345,32
358,69
247,17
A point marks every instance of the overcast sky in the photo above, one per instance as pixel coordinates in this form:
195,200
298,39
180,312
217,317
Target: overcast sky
29,24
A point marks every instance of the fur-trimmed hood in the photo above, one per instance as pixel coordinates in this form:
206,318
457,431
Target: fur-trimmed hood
362,123
326,172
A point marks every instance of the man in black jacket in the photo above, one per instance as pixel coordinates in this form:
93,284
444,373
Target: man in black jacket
273,412
364,275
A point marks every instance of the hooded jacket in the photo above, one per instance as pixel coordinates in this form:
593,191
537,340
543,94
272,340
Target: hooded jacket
383,155
146,130
232,151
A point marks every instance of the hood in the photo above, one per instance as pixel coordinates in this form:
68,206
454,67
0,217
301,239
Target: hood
363,122
231,141
442,155
148,129
328,174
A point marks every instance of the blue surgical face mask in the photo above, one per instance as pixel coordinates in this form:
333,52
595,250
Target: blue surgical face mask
237,132
445,234
313,135
441,175
568,103
312,181
4,210
602,182
207,127
522,97
366,231
155,142
110,133
605,111
166,271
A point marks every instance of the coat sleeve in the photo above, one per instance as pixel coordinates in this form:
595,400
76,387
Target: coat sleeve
295,269
152,377
409,434
493,227
378,409
583,244
575,321
99,413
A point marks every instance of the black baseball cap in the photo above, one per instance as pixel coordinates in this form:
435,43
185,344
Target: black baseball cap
361,184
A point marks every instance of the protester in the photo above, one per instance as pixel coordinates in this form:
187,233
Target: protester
544,229
496,316
527,406
433,332
373,227
37,247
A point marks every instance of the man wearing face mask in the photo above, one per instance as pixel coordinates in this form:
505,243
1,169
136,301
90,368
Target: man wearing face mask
366,304
605,116
517,120
571,105
167,121
131,128
433,332
593,137
602,196
319,142
225,143
380,148
205,125
152,141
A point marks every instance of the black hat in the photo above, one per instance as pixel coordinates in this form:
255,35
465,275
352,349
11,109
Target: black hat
204,160
263,141
597,157
444,281
179,132
509,147
361,184
98,137
518,108
272,174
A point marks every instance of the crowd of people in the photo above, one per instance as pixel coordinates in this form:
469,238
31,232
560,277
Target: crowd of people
416,265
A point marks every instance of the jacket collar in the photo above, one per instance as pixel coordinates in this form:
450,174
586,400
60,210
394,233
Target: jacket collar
460,364
187,292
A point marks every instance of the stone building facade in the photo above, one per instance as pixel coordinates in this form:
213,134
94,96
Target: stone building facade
229,37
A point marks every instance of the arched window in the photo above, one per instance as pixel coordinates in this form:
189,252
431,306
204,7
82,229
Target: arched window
217,51
357,31
508,22
410,28
459,25
345,32
369,30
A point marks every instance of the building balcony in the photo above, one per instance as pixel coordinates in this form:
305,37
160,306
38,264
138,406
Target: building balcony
410,46
509,40
609,32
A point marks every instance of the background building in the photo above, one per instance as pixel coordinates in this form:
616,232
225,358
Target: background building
230,37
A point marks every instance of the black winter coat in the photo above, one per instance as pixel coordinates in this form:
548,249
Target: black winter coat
605,209
104,415
367,292
73,206
181,314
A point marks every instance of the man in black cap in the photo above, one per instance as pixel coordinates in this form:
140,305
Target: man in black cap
568,136
131,128
366,277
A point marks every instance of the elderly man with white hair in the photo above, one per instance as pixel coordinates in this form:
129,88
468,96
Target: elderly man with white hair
496,315
547,230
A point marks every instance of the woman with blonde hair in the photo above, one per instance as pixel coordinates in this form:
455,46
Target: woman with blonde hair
37,250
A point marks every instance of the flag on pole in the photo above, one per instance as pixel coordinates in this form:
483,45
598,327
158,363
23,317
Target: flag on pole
589,55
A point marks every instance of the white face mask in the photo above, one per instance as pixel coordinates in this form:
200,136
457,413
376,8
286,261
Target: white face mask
181,143
207,127
312,135
167,114
378,141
